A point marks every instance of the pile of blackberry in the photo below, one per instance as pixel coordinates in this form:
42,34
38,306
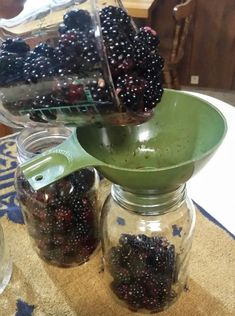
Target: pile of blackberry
133,57
134,60
61,218
143,271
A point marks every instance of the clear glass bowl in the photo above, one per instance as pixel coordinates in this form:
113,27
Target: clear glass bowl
76,63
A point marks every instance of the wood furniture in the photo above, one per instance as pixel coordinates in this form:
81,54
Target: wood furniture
211,51
172,20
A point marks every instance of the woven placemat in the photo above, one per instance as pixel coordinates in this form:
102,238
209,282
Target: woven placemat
37,288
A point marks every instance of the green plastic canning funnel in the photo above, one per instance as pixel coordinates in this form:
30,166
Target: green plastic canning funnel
160,154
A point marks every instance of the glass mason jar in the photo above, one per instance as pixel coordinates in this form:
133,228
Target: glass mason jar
62,218
5,263
146,240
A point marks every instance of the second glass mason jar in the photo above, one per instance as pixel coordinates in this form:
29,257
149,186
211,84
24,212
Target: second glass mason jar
146,241
5,262
62,218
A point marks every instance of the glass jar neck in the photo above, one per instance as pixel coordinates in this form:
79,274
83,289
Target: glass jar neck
148,201
33,141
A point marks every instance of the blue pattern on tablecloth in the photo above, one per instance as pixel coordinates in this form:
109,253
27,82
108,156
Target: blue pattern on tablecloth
8,163
23,309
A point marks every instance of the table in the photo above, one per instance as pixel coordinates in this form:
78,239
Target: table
39,289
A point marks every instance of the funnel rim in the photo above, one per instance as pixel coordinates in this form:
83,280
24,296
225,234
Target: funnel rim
178,165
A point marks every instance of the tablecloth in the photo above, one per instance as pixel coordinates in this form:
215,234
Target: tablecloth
39,289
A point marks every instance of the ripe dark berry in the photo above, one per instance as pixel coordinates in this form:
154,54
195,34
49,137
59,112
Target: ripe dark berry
17,46
83,180
11,68
78,19
100,93
44,49
149,37
38,67
142,268
130,90
152,94
115,15
62,219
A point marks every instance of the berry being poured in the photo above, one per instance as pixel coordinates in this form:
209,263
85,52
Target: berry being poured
67,75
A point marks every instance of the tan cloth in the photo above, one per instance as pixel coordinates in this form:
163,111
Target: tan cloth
81,291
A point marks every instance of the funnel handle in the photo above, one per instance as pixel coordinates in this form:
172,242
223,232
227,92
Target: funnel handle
57,162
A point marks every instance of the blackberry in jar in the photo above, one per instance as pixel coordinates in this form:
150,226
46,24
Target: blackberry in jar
62,218
145,261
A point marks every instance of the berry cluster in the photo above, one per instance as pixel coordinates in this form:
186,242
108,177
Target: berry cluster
135,63
143,271
70,72
61,218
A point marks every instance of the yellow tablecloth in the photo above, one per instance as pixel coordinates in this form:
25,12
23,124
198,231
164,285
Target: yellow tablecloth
44,290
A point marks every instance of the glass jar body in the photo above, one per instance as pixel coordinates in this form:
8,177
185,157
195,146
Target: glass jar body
5,263
62,218
146,241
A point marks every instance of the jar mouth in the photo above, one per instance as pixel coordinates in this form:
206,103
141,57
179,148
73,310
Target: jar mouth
33,141
152,202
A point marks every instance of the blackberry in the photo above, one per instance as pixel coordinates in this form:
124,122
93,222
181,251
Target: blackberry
120,289
136,295
99,93
149,37
83,209
130,91
44,103
82,229
121,275
83,180
152,65
152,94
17,46
141,53
72,245
40,214
119,51
77,52
11,68
142,270
115,15
38,67
114,256
135,55
110,32
43,49
118,68
64,215
46,228
78,19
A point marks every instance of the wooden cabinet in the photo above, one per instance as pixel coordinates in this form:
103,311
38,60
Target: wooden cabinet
210,48
210,53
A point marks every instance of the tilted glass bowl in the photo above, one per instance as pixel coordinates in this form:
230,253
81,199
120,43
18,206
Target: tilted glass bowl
76,63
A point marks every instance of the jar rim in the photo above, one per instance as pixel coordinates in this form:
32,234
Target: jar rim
28,140
151,202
